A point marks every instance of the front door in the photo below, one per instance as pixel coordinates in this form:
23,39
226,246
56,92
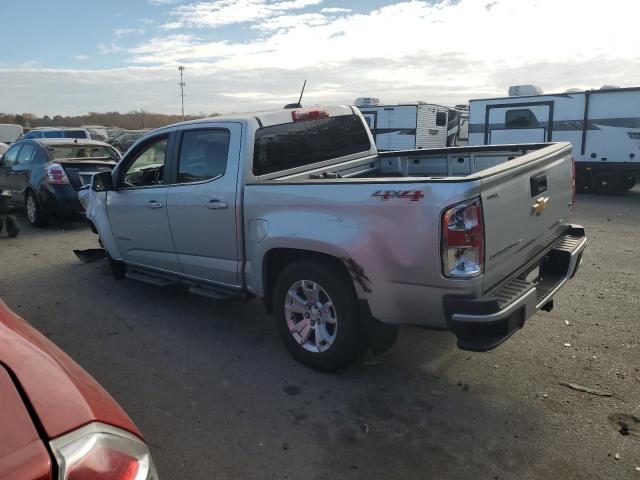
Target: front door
202,201
137,208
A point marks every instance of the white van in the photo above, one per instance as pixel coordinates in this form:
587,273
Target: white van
10,132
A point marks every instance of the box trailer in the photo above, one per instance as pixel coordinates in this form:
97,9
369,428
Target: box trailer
603,126
411,126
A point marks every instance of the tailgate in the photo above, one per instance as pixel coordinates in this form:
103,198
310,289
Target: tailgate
80,172
526,203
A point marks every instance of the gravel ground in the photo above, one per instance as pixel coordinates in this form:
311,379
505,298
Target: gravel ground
217,396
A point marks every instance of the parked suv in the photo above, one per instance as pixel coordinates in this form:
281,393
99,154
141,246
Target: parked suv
45,175
49,132
342,242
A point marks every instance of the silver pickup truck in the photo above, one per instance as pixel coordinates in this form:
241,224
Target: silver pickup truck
341,242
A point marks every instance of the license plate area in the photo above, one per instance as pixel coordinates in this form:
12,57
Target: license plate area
532,274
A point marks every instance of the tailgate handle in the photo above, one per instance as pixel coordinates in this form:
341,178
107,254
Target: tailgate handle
538,183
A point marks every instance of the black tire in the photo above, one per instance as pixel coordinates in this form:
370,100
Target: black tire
350,340
628,183
35,214
605,183
12,226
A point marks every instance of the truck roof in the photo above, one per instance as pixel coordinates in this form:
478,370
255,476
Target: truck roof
68,142
268,117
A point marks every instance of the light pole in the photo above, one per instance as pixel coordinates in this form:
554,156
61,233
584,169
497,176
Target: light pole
182,84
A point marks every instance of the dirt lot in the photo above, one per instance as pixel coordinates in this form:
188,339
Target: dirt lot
218,397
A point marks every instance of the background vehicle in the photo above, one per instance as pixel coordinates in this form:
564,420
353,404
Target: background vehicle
97,132
51,132
45,175
409,126
342,242
9,132
3,148
603,125
126,139
56,419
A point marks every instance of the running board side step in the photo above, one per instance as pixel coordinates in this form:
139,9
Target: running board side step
150,277
217,293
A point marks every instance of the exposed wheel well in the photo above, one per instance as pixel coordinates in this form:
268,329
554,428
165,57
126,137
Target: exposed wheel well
276,260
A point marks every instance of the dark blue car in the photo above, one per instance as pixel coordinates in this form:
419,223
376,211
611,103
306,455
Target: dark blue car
44,175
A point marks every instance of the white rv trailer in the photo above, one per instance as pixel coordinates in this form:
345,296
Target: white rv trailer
603,126
409,126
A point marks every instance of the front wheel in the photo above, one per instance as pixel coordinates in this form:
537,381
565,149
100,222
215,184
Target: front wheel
317,316
35,213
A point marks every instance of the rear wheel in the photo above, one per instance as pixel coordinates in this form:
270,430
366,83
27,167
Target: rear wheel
605,183
35,213
629,183
317,317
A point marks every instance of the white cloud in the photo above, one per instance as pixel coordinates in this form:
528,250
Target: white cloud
335,10
107,48
445,52
81,56
121,32
229,12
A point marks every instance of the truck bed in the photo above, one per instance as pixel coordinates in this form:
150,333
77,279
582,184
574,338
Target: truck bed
454,163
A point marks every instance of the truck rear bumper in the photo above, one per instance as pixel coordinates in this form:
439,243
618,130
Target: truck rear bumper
483,323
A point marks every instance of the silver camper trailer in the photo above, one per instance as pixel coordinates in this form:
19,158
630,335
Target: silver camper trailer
409,126
603,125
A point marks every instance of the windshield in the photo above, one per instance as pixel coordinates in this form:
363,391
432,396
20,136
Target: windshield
61,152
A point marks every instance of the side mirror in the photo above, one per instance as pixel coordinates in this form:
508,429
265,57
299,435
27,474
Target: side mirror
102,182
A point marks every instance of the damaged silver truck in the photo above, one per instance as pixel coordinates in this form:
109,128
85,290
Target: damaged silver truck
343,243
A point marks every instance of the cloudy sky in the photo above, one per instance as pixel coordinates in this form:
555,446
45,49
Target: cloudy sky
75,56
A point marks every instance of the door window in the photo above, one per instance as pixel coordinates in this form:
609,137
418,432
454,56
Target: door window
520,118
148,167
441,119
26,154
11,156
203,155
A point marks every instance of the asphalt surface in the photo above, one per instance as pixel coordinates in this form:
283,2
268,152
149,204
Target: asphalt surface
218,397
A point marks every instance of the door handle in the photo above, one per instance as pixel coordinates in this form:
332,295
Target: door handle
216,204
154,204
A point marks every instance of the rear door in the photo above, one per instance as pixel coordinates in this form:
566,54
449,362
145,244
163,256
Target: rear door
21,170
525,209
519,123
137,209
202,201
7,176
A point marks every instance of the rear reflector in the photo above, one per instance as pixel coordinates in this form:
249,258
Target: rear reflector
463,240
309,114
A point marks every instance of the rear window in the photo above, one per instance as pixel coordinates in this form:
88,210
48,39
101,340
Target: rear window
61,152
291,145
520,118
75,134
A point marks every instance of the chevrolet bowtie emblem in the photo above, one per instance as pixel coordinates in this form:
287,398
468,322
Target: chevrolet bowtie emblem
539,206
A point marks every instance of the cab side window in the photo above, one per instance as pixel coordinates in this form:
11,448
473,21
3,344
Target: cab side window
26,154
148,167
203,155
11,156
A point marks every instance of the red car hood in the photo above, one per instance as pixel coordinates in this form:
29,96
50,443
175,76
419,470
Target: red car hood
22,453
63,396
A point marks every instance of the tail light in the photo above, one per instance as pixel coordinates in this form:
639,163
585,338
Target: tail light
102,452
55,174
463,240
573,184
309,114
